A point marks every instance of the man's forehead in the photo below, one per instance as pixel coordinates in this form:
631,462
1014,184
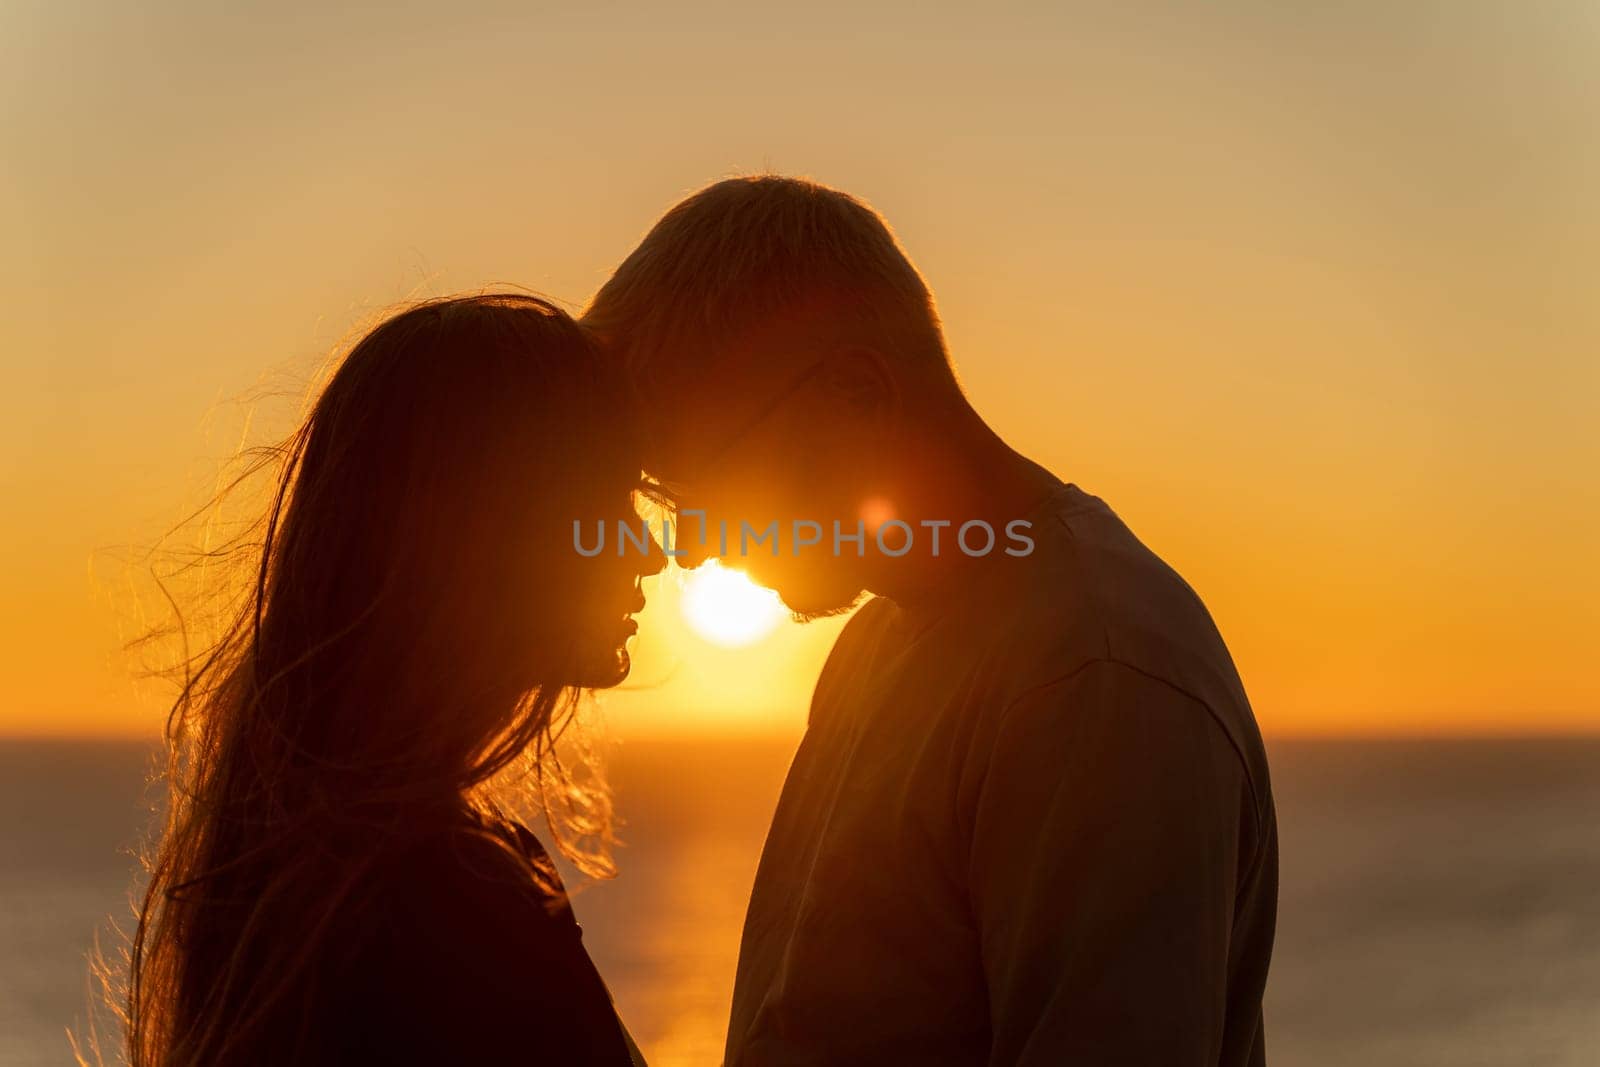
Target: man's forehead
699,401
667,436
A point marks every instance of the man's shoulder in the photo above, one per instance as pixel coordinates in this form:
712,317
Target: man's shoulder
1090,590
1096,591
1097,594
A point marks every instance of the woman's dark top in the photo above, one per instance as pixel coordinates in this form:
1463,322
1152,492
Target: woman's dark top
462,949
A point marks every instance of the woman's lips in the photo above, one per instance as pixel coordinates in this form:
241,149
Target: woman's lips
627,625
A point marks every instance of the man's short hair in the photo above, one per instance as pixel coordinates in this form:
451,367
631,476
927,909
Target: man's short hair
750,252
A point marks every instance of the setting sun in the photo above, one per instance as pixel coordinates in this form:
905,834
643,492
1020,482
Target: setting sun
727,608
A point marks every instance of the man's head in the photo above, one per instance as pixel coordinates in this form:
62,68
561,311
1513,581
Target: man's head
786,352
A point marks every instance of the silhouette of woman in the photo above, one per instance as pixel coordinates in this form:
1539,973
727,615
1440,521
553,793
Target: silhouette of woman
336,882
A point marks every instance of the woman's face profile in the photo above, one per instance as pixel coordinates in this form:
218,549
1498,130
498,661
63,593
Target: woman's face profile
606,590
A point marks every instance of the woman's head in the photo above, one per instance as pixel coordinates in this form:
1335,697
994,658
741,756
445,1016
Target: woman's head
416,620
419,579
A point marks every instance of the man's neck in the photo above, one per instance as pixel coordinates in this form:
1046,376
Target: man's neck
957,479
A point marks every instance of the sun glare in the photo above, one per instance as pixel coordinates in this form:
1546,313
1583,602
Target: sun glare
727,608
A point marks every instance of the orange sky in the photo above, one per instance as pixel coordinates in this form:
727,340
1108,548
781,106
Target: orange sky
1306,294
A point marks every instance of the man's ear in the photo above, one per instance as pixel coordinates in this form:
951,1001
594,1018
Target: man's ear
859,376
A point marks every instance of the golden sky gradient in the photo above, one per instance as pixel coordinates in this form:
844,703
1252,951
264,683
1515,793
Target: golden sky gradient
1307,292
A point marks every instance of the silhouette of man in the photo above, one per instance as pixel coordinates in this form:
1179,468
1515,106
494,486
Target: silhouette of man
1030,820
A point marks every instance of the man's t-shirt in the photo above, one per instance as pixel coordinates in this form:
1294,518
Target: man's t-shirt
1028,824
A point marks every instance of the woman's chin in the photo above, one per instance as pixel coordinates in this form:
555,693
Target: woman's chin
621,665
606,669
603,659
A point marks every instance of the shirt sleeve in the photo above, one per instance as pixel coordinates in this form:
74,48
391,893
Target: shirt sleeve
1105,856
479,965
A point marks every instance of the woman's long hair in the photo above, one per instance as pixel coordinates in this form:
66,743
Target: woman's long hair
409,632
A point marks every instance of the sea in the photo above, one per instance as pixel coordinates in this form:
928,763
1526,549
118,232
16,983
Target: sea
1440,901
